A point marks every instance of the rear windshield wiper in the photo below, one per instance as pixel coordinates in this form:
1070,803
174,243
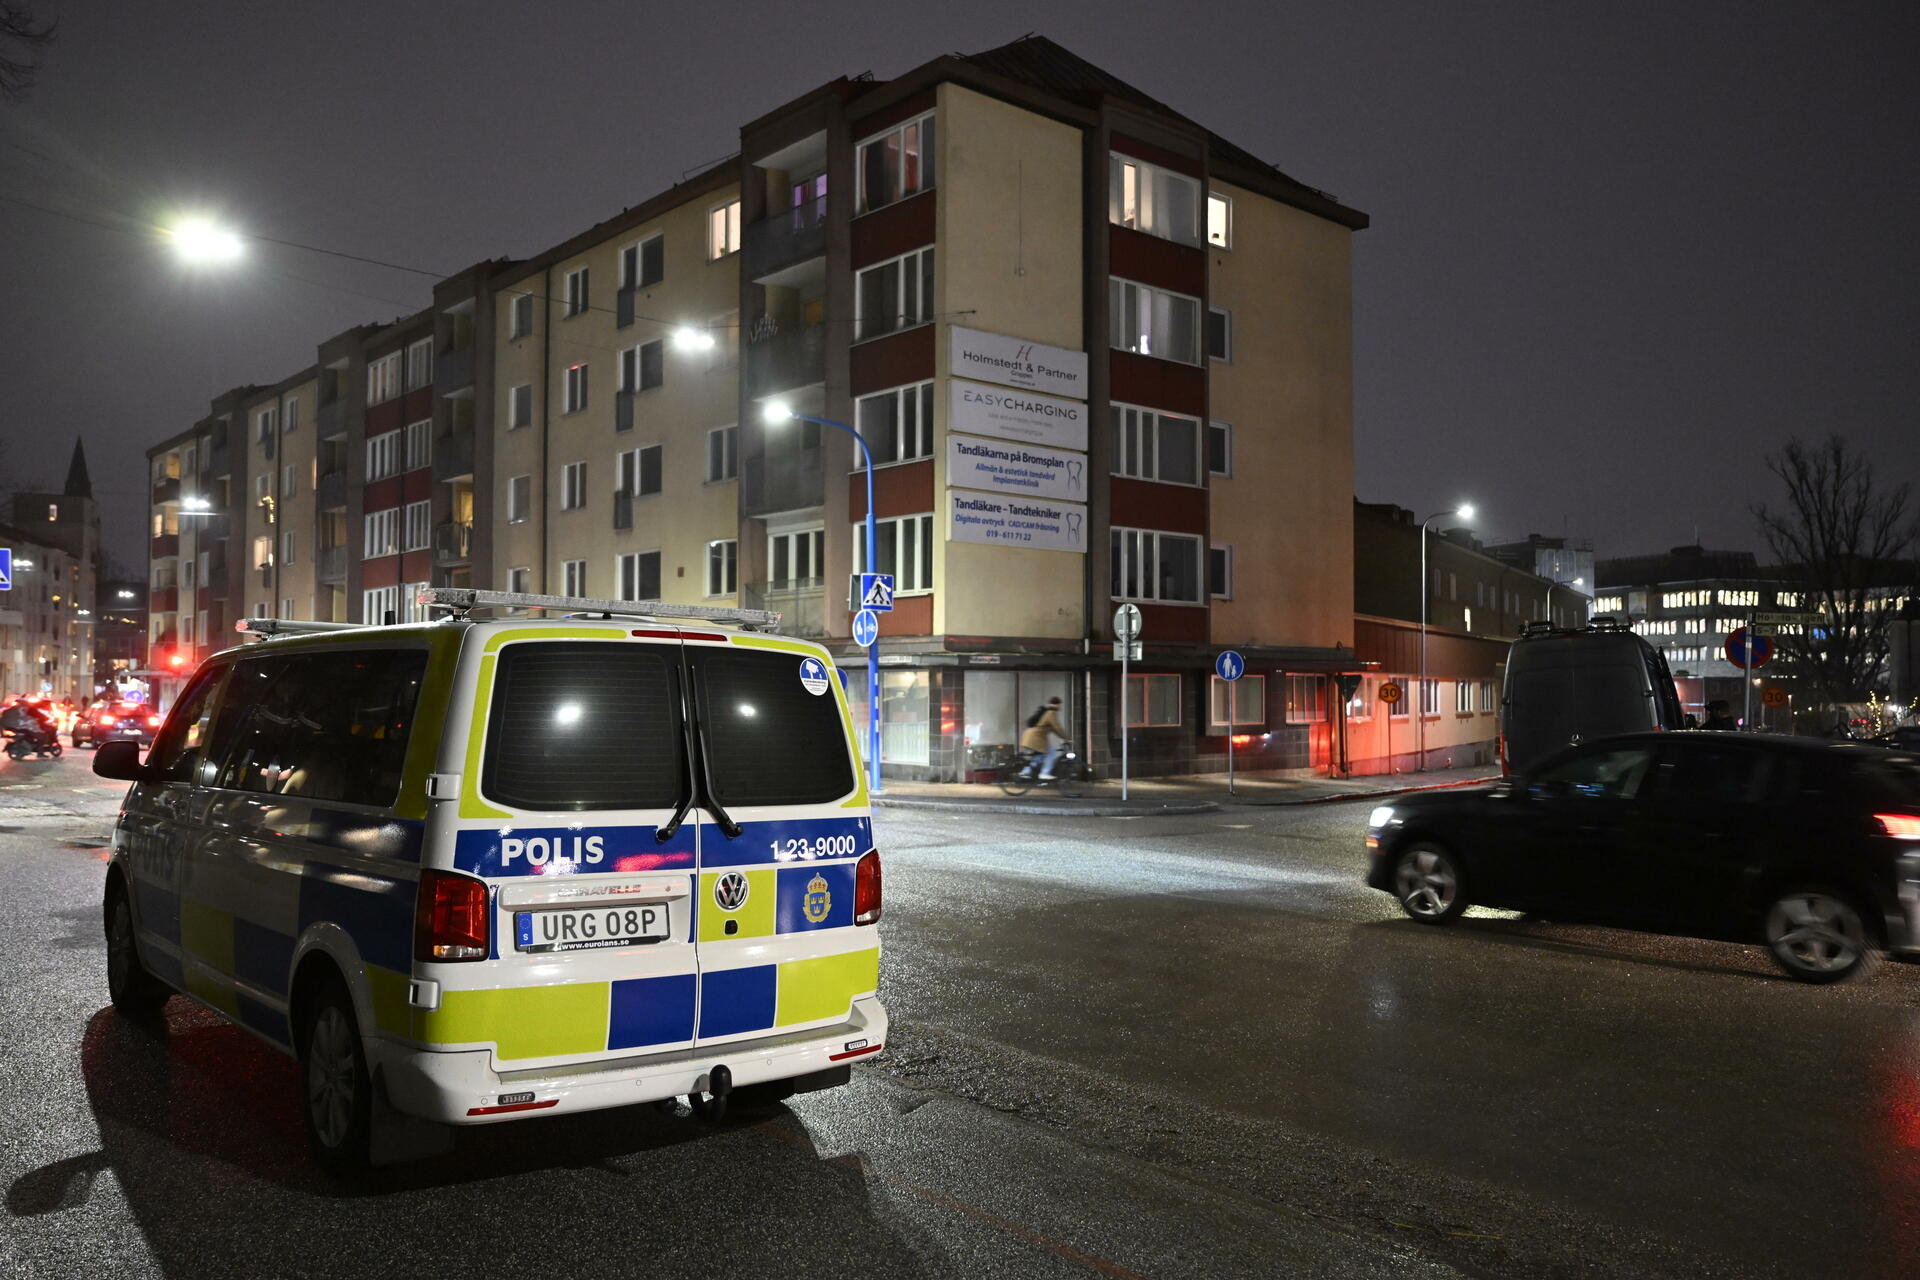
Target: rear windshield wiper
681,809
721,817
666,833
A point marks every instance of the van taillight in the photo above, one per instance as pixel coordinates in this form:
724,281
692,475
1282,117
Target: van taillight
450,919
1901,826
866,889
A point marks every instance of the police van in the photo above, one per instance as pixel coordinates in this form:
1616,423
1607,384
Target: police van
494,867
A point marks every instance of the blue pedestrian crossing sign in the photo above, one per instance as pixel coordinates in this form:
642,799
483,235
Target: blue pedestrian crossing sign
6,568
866,628
1229,665
876,592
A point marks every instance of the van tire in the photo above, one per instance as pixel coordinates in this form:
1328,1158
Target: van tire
1428,884
136,994
1819,934
336,1092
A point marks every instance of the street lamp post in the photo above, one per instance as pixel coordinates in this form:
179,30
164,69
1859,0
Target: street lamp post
776,412
1465,512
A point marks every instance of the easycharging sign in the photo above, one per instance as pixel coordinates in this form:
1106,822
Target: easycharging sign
1025,416
1000,466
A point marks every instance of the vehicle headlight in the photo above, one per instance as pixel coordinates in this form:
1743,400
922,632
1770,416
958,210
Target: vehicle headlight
1380,817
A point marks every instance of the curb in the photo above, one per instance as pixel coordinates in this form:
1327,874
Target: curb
1395,791
1124,810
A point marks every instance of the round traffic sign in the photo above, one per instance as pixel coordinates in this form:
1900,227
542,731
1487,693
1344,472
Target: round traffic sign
1126,622
1773,696
1229,665
866,628
1748,651
1389,692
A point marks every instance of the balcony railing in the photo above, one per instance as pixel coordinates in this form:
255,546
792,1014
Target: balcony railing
453,456
266,575
166,544
782,481
789,236
779,361
166,489
331,564
453,540
453,370
331,420
331,491
802,604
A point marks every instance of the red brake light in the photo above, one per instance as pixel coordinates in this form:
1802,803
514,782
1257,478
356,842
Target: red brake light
450,918
1901,826
153,722
866,889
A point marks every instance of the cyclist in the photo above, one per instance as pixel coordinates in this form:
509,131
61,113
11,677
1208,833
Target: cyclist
1043,727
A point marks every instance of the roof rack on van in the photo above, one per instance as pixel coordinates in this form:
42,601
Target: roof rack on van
461,600
289,626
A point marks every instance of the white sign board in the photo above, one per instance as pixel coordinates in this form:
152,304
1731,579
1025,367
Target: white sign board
1015,362
1001,521
1026,416
1008,467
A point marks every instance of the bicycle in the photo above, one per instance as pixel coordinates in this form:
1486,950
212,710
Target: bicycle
1016,777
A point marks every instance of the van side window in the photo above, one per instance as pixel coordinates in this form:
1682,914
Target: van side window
184,736
326,726
585,726
768,739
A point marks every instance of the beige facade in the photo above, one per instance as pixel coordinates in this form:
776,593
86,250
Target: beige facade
1287,393
275,516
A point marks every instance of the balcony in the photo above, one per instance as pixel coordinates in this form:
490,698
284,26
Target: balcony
219,460
164,600
802,604
784,481
331,491
453,456
216,567
790,236
332,418
453,540
453,370
331,565
164,545
622,510
166,489
781,361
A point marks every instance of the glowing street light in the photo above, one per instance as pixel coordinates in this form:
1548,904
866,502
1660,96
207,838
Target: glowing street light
202,241
688,338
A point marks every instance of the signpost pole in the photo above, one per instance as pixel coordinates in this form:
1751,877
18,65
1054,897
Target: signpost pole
1126,651
1746,681
1229,739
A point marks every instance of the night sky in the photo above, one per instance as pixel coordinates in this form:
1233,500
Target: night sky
1618,251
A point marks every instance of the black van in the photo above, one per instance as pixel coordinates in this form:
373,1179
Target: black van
1567,686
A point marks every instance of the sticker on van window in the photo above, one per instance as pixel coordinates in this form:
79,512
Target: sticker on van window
813,676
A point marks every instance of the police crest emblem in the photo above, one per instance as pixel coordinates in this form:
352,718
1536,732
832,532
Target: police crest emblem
818,900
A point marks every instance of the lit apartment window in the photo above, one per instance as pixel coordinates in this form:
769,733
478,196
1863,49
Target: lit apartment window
573,577
723,567
1220,571
639,574
639,471
520,315
383,455
1154,322
1149,198
1249,694
644,265
723,230
1487,696
292,423
1220,448
576,292
1219,221
1156,566
380,533
897,294
903,546
262,553
1220,334
383,379
1153,701
576,392
898,424
723,454
644,367
1463,691
519,499
1149,445
380,605
419,364
419,529
263,425
895,164
1306,699
261,485
520,406
573,488
419,447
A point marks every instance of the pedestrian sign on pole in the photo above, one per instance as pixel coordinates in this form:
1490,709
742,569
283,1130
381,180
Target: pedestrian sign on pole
6,568
866,628
1230,666
876,592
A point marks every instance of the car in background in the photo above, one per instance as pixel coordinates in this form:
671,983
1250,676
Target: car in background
115,722
1808,847
1566,686
1904,738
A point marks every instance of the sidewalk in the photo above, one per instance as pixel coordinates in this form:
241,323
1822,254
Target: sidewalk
1194,793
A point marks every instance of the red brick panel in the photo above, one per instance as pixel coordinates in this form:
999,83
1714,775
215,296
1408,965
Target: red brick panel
1157,384
911,616
904,490
416,566
1148,504
165,599
894,230
417,485
887,362
418,404
391,416
382,572
378,495
1163,264
1163,623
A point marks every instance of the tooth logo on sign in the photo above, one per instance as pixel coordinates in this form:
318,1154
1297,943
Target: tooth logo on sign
813,676
818,901
730,891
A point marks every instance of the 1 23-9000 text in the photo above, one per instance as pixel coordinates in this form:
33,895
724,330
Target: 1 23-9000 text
807,850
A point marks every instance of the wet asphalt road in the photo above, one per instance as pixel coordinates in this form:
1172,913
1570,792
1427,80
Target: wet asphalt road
1122,1047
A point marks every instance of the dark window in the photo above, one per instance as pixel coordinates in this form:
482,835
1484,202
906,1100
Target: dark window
1220,334
182,740
770,741
323,726
1602,774
1694,771
1892,780
585,726
653,262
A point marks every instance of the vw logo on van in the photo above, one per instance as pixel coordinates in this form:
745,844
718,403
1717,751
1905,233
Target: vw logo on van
730,891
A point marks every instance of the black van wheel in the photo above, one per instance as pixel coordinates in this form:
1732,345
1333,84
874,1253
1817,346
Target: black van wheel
336,1093
1817,934
135,993
1427,882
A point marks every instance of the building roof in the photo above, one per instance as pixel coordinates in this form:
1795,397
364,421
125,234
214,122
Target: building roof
79,485
1681,564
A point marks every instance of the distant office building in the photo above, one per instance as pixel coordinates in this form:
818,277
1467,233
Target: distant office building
1567,561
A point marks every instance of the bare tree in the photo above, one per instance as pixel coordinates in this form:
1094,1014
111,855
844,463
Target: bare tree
1844,538
23,41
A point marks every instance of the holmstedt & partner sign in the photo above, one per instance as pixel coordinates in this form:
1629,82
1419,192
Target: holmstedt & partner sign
1002,521
1003,467
1013,362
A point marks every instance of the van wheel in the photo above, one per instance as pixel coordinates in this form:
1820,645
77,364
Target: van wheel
135,993
336,1092
1817,934
1427,882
